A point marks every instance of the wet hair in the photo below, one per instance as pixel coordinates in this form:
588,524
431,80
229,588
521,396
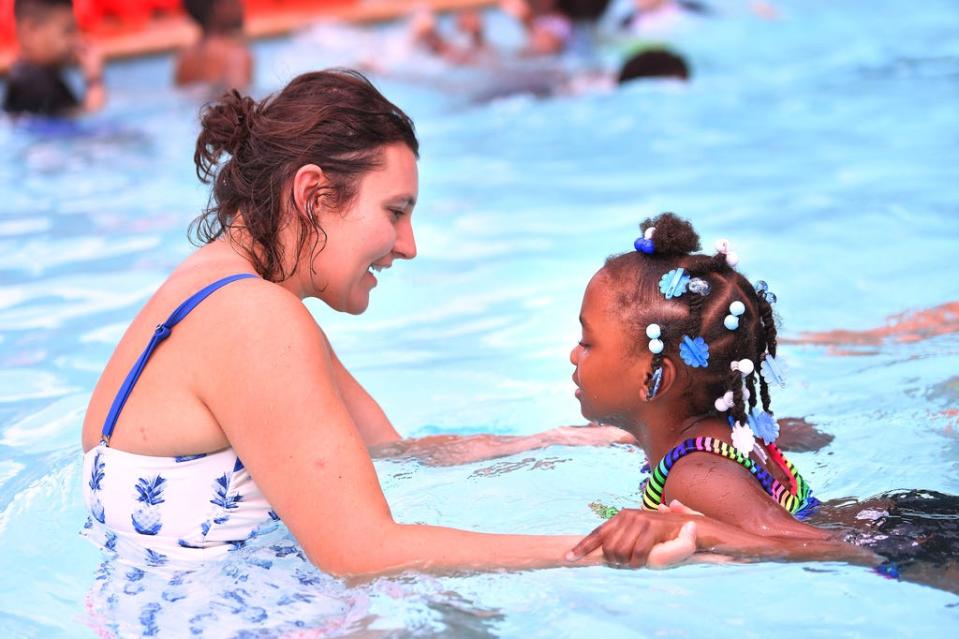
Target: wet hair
37,9
585,10
335,119
201,11
635,277
654,63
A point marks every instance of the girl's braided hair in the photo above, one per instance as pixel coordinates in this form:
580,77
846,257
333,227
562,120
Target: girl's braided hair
636,276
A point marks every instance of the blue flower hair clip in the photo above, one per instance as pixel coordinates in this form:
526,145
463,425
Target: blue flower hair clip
773,371
736,310
763,425
645,244
762,290
673,284
694,352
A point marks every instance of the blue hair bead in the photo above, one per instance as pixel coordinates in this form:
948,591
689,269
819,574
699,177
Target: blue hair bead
644,245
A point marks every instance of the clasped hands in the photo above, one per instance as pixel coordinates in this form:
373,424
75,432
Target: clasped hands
635,538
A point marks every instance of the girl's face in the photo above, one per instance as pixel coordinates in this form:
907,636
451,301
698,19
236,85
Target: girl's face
609,376
376,229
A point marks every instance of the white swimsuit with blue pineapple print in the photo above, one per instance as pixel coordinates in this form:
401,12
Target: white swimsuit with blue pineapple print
193,507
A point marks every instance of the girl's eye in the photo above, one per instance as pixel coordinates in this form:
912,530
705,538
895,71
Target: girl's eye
583,344
397,213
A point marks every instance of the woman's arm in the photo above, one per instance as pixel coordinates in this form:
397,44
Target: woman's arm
379,434
369,419
449,450
278,404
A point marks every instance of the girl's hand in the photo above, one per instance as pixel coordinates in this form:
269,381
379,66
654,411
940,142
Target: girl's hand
637,538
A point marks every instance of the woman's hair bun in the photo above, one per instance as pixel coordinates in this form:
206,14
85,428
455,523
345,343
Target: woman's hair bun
673,235
225,127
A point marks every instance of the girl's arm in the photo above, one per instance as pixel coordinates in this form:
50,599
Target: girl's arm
278,403
617,538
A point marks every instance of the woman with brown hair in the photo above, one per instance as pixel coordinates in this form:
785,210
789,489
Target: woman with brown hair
246,416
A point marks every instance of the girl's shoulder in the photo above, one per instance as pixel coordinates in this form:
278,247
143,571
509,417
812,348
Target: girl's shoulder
718,487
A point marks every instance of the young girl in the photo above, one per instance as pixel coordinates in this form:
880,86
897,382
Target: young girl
679,349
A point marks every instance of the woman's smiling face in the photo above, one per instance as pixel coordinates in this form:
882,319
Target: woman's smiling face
609,374
373,231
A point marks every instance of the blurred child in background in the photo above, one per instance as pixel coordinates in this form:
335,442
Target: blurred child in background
49,41
221,58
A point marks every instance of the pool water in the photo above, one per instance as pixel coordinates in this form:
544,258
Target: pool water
823,144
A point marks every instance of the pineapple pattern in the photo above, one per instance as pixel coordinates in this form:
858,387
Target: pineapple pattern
96,476
146,518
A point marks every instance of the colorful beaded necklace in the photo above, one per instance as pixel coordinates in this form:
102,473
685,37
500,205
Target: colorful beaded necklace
795,499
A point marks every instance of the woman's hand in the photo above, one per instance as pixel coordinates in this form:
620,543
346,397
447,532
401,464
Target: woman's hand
637,538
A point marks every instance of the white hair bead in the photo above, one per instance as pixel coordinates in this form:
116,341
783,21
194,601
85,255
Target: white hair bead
731,322
722,246
648,233
737,308
725,402
746,366
653,331
732,258
655,346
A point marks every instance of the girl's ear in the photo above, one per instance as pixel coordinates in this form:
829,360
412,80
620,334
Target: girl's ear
669,378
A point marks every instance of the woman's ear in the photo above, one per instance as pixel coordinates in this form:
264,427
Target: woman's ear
307,182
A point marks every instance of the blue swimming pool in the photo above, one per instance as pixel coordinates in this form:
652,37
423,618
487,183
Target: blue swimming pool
823,144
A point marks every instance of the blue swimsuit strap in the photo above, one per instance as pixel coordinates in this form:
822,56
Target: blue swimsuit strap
161,333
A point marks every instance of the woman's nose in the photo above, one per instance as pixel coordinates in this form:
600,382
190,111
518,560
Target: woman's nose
406,242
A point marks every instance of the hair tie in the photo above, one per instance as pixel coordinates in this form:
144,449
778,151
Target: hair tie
698,286
645,244
722,247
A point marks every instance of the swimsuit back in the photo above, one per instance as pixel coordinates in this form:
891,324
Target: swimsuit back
798,502
170,507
